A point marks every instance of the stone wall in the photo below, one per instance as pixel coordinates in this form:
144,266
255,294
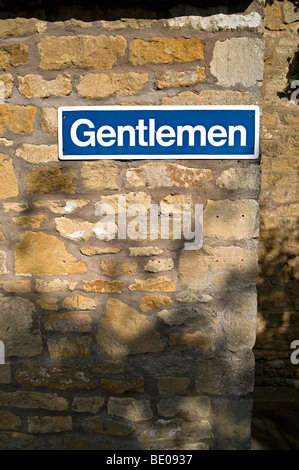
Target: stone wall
278,252
125,344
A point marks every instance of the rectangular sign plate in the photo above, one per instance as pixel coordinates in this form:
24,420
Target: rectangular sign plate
157,132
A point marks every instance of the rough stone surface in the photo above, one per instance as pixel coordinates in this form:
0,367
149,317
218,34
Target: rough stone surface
17,118
21,27
34,86
165,50
45,180
44,255
106,84
231,219
8,182
130,408
234,59
240,178
216,23
19,327
96,52
157,284
167,174
170,78
125,331
99,175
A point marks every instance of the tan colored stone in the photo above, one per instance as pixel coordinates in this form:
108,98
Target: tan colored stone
3,262
235,59
99,175
62,207
121,202
160,284
149,302
17,118
154,175
65,348
49,424
114,269
218,268
73,322
34,86
159,264
50,120
196,340
15,206
95,250
9,420
47,303
58,376
228,219
19,327
16,286
33,400
102,286
21,27
7,81
172,78
212,97
88,52
6,142
33,220
40,254
124,331
173,385
73,229
88,405
38,153
78,302
240,178
47,179
8,181
2,237
165,50
145,251
13,55
55,285
130,408
129,384
102,85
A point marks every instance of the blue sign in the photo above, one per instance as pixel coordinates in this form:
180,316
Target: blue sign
157,132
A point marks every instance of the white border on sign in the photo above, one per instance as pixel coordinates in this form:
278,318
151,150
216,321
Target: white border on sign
253,156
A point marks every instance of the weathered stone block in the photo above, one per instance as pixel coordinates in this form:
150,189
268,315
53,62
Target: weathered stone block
60,376
165,50
219,268
158,265
172,78
19,327
115,269
103,85
49,424
13,55
47,179
240,178
33,400
69,348
35,86
238,61
78,302
231,220
88,405
21,27
40,254
124,331
99,175
155,175
101,286
73,322
188,408
148,302
130,408
17,118
96,52
128,384
155,284
8,182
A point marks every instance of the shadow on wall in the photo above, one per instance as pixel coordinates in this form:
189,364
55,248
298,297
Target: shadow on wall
92,10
